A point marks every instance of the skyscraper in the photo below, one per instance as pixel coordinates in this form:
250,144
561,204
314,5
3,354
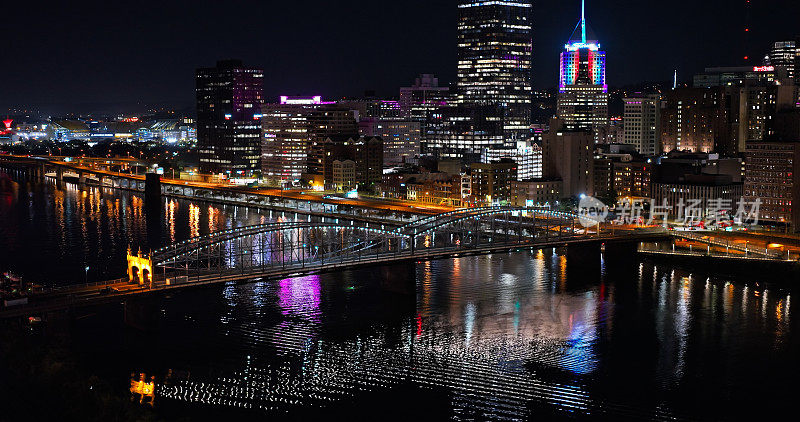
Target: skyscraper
495,44
583,93
229,98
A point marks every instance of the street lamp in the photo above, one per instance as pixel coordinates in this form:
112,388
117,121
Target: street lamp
86,279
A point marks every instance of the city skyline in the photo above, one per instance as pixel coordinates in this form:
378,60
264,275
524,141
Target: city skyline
152,62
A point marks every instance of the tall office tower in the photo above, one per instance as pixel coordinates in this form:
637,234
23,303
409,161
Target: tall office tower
784,54
583,94
495,47
642,123
229,98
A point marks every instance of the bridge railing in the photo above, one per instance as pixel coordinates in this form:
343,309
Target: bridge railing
38,289
710,240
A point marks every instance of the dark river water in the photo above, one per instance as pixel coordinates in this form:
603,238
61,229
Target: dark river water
512,336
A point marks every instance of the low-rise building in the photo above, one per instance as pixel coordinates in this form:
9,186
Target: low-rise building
491,181
535,193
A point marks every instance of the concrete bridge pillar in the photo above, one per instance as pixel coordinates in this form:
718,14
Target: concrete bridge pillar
584,261
141,313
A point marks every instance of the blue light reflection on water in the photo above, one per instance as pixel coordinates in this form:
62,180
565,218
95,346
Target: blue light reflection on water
506,336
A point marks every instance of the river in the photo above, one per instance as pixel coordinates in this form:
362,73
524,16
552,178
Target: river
509,336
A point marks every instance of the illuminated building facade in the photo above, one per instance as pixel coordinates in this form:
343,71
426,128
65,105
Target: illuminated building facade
462,132
642,123
491,182
785,54
285,142
229,99
695,120
401,138
527,155
495,47
773,176
583,93
293,132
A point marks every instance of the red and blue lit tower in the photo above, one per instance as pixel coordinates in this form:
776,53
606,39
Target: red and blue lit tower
583,92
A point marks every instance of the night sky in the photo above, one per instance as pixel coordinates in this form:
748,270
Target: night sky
120,56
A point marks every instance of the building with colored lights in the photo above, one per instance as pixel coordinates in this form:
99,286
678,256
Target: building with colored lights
583,93
229,100
293,132
285,142
642,123
495,47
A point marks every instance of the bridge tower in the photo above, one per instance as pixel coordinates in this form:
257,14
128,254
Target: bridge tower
140,268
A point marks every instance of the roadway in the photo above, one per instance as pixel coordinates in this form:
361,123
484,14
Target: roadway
395,205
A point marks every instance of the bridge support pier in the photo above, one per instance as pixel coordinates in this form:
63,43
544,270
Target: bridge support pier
152,188
620,257
141,314
583,261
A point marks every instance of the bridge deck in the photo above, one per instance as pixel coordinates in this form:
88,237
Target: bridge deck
99,294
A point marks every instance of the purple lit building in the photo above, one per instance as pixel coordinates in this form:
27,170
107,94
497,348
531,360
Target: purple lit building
229,98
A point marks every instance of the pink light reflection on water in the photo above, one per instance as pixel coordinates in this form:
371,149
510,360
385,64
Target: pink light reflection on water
300,296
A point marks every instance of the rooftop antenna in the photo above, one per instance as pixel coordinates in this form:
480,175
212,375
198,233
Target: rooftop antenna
583,21
675,80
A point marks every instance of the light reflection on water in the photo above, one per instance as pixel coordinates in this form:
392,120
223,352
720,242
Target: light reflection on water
74,227
494,332
506,336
